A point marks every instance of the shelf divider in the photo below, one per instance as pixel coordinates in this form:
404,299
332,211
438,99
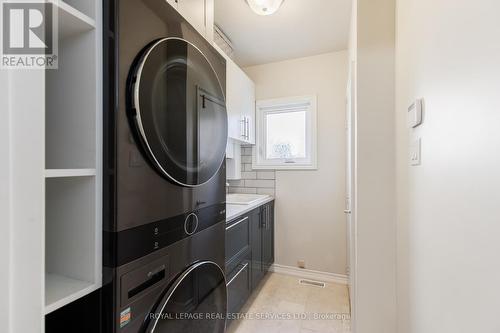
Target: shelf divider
62,173
61,290
71,20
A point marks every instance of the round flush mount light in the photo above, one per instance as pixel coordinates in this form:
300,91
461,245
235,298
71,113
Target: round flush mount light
265,7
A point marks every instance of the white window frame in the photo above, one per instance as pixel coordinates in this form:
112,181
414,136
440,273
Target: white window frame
264,107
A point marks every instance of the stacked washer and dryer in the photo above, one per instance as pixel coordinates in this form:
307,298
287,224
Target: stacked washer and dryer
165,139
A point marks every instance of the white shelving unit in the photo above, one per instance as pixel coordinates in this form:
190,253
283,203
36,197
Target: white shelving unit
61,173
61,290
73,149
73,21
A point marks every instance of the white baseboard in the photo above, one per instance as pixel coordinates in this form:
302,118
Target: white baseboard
309,274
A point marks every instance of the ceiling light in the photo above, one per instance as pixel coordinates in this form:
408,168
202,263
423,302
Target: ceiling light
265,7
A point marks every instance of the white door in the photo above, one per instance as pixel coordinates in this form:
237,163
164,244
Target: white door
233,102
240,103
248,112
350,196
194,12
173,3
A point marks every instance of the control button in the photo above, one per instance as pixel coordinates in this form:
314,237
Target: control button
191,224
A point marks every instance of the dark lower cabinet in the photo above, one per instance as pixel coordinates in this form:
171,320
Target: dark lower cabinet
238,241
256,224
249,253
267,214
239,285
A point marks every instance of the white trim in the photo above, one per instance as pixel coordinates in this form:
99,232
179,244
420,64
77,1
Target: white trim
61,173
61,290
310,162
310,274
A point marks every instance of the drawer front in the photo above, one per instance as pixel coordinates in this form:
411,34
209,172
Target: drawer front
239,285
237,238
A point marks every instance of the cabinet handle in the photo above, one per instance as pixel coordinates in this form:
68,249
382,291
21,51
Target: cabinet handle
248,128
264,217
268,216
235,224
246,133
237,274
243,128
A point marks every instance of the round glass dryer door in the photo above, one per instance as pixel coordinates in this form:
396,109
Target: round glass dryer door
177,106
196,302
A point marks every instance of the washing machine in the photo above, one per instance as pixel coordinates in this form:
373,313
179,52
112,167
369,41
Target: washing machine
180,288
164,177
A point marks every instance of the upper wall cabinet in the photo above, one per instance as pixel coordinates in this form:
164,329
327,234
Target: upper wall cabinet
240,101
200,13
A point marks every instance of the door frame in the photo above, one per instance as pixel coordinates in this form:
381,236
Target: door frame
350,208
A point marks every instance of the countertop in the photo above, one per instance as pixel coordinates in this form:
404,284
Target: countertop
234,211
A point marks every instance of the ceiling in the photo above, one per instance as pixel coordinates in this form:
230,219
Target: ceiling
300,28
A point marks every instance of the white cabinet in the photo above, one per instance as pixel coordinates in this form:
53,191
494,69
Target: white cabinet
240,102
199,13
73,165
54,169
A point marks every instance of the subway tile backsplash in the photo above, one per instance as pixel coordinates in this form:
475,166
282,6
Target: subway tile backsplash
253,181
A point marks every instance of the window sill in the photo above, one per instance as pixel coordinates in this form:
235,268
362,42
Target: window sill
285,167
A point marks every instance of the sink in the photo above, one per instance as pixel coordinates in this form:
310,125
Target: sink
244,199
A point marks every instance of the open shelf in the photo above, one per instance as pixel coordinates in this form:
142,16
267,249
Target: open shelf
73,156
71,104
61,290
84,9
70,240
61,173
72,21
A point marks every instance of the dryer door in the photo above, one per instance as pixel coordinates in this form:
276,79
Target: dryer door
195,302
177,109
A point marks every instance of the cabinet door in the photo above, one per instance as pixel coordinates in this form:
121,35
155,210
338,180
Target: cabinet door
209,19
233,101
268,236
173,3
256,245
239,285
237,241
194,12
248,109
240,102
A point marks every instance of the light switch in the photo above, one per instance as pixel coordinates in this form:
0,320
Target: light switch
415,113
415,152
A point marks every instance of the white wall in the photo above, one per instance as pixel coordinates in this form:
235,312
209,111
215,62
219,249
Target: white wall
21,205
5,203
372,47
310,223
448,52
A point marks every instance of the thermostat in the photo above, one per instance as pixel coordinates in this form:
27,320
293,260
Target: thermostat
415,113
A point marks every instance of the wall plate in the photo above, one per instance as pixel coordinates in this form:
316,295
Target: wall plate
415,152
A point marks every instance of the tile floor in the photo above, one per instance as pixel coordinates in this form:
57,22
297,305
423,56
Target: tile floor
285,303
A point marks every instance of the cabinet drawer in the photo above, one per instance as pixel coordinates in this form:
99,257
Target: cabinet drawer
239,285
237,238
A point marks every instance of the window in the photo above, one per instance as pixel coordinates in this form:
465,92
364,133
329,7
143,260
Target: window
286,134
